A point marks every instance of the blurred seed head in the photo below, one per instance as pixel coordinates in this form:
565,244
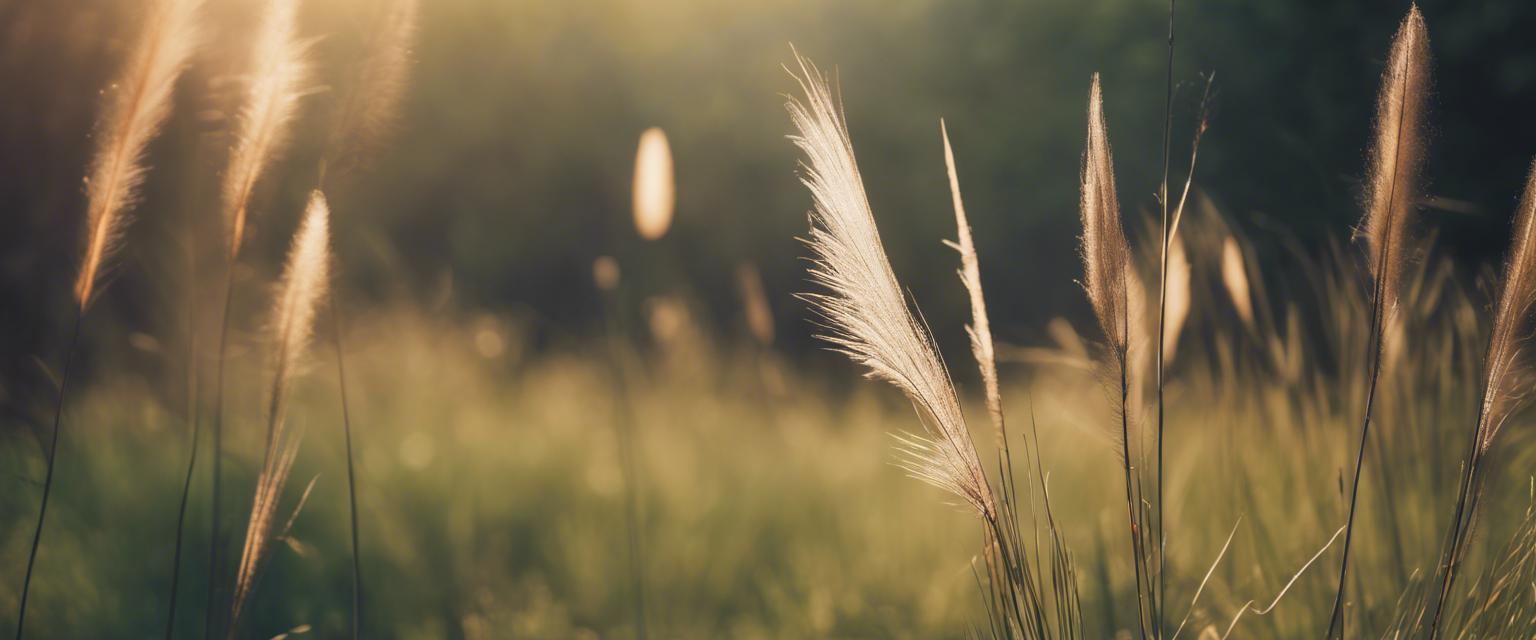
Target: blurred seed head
754,303
667,318
605,273
654,190
1177,307
1234,274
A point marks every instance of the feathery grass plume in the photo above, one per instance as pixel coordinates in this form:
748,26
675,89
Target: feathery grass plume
1177,306
1105,253
866,316
1396,157
1509,366
1234,277
360,122
278,80
303,285
1106,265
1507,378
980,330
654,190
139,103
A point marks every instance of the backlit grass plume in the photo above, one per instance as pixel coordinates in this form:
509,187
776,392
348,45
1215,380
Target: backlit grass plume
865,314
298,296
1507,378
1508,365
1396,157
867,318
138,103
980,330
1107,278
1105,253
279,76
361,120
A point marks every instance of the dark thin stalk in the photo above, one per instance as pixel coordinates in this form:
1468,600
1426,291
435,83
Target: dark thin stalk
1474,493
1335,618
53,451
1162,311
346,423
624,430
195,425
1378,320
218,450
1466,498
1466,504
1130,499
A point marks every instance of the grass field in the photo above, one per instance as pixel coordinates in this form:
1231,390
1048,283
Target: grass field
1306,447
491,494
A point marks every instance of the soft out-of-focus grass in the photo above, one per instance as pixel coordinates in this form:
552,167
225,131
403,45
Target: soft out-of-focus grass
490,500
491,495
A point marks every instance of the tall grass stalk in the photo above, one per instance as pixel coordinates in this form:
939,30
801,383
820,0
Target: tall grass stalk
605,274
358,123
652,204
192,409
136,108
1108,281
1506,376
53,450
1011,553
1395,163
1162,315
277,81
346,430
305,279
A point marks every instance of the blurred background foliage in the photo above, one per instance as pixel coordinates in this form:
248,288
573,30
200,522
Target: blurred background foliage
509,172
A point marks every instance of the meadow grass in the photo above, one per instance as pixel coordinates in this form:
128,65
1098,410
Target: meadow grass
752,495
494,491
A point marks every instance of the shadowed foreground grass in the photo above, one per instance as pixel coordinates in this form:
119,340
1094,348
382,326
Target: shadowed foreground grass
491,496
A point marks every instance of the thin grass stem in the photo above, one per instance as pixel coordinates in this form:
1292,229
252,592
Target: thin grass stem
193,409
346,424
1162,312
624,432
53,451
214,542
